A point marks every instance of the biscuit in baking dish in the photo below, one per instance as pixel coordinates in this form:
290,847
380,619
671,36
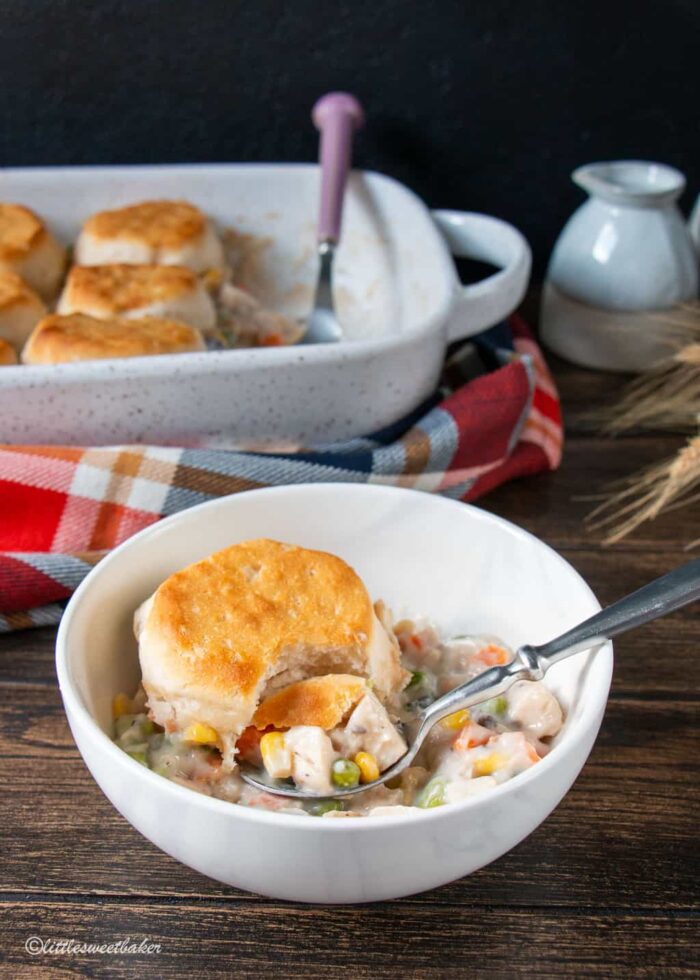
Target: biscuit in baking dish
57,339
228,631
160,232
171,291
30,250
7,353
20,309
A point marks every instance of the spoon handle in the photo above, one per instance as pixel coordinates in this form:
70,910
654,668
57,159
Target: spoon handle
662,596
336,116
659,597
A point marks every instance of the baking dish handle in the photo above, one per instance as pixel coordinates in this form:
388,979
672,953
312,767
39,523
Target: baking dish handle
486,239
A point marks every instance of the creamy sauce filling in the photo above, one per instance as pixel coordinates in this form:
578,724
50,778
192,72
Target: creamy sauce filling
466,754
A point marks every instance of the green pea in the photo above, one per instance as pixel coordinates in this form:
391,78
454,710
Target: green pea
345,773
318,809
417,678
138,754
432,794
496,706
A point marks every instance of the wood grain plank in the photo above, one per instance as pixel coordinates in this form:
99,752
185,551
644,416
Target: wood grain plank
390,940
27,657
554,505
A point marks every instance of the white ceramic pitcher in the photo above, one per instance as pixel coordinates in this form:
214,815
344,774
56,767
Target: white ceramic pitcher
622,257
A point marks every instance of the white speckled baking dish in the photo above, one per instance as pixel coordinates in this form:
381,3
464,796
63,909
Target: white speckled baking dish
396,287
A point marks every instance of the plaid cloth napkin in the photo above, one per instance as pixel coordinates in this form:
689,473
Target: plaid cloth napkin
495,417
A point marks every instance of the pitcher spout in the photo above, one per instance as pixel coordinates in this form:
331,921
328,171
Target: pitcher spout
635,183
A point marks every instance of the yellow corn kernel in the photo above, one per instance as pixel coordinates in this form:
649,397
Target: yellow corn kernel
458,720
201,733
121,705
276,755
488,764
369,770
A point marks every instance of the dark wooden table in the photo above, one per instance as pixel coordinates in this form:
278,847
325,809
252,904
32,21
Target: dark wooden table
606,887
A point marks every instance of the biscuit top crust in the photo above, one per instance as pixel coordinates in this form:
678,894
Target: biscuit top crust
78,337
321,701
14,291
228,622
160,224
120,287
20,230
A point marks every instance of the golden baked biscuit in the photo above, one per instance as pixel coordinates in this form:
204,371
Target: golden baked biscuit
20,309
227,631
107,291
159,232
29,249
322,701
7,353
57,339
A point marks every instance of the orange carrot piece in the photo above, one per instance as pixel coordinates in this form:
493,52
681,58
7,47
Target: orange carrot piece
492,656
471,736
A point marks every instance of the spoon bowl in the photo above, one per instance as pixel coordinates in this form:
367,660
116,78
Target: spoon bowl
322,326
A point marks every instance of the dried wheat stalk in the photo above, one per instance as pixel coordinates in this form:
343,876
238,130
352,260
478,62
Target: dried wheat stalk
668,398
663,486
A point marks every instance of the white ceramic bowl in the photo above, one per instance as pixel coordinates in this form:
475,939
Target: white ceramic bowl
466,569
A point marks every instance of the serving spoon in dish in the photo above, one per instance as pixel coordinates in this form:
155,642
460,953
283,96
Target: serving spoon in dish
336,116
530,663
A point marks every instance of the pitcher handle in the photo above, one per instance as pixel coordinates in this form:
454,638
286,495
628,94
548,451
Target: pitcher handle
487,239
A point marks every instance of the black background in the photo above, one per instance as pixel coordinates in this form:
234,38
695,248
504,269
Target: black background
484,106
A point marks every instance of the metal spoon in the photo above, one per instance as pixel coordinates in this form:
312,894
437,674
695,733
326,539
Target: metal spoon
530,663
336,116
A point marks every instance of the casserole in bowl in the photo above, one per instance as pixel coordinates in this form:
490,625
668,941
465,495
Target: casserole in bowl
467,570
397,292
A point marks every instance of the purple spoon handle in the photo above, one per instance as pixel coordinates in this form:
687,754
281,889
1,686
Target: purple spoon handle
336,116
